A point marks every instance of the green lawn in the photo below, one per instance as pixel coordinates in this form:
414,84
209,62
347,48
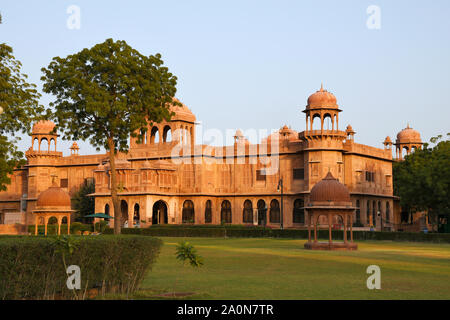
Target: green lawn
282,269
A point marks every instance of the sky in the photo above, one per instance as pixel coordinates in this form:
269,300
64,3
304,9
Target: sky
253,64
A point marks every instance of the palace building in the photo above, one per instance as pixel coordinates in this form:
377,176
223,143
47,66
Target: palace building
168,179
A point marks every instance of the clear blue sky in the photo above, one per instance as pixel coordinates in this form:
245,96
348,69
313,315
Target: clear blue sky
253,64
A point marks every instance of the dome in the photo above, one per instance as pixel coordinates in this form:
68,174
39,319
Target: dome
181,112
53,197
387,140
322,98
329,189
43,127
284,133
408,135
75,146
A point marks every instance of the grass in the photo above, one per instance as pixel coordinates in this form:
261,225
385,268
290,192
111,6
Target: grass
281,269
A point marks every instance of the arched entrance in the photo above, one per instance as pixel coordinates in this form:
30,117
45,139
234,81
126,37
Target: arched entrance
136,215
262,212
188,213
159,213
124,213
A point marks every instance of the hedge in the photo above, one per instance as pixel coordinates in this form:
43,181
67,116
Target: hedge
35,267
259,232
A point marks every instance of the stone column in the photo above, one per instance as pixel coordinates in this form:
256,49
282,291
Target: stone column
329,228
345,228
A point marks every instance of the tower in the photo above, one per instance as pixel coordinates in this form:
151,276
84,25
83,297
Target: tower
322,140
408,139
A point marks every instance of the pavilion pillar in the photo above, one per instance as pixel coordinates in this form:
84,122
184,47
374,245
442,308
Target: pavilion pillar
315,228
329,228
351,228
345,228
36,225
309,226
59,226
45,226
68,224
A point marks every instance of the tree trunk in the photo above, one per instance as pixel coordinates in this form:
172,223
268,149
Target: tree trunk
114,197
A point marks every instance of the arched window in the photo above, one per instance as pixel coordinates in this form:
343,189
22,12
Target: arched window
188,212
358,212
299,212
167,134
274,216
107,211
368,212
316,122
225,212
248,212
44,144
154,137
388,212
52,145
208,212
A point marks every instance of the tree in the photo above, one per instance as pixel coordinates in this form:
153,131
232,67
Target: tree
19,107
107,93
422,180
186,253
83,204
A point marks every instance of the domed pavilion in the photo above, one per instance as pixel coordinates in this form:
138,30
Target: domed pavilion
330,198
53,202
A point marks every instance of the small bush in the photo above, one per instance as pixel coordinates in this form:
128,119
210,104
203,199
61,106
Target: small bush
52,229
34,267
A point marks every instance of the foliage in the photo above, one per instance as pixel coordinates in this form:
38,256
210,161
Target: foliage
422,180
83,204
186,252
249,232
101,226
18,109
107,93
33,267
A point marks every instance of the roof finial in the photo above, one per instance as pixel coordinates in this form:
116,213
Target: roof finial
407,125
321,86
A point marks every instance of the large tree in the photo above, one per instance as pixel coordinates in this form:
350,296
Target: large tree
19,107
82,202
107,93
422,180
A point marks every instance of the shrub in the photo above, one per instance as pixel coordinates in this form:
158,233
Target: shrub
239,231
52,229
33,267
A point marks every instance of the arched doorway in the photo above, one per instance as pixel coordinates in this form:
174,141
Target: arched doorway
159,213
136,215
299,212
208,212
124,213
247,215
188,214
225,212
262,212
274,216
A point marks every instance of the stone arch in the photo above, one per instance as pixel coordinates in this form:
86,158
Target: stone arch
316,124
328,121
247,214
52,145
44,145
262,212
208,211
274,215
35,144
226,212
136,214
167,134
188,212
160,212
123,213
298,214
154,135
